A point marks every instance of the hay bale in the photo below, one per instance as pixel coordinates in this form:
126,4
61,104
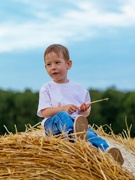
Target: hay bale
34,156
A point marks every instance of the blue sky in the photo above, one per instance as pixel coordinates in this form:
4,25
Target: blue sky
100,36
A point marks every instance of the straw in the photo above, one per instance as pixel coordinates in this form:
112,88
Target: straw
105,99
32,156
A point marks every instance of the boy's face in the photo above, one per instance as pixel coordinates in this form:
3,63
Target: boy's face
57,67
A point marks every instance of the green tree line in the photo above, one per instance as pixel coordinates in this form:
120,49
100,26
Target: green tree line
19,109
118,112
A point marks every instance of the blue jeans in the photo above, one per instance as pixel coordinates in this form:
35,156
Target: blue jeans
62,121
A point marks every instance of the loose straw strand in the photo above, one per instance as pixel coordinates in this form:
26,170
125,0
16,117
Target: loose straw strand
105,99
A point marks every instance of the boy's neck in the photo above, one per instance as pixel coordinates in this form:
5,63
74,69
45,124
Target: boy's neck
61,82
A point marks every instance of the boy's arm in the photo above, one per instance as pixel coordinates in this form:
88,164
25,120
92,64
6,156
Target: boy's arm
50,111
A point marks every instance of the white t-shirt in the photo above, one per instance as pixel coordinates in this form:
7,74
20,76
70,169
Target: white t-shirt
54,94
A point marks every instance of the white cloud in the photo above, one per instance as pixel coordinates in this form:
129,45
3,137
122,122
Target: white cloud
3,31
84,21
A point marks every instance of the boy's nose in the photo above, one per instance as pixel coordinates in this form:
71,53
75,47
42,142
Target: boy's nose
53,66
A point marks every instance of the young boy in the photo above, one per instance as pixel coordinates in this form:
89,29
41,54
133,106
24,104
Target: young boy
65,104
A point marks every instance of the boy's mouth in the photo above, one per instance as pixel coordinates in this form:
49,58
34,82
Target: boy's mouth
54,73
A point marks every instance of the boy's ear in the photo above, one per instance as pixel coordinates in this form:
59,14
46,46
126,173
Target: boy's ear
69,63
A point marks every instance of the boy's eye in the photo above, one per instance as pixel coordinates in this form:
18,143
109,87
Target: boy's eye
57,62
48,64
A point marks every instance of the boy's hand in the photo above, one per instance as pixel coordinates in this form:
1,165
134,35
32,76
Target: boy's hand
84,107
71,108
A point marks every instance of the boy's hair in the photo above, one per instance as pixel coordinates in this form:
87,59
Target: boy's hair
57,48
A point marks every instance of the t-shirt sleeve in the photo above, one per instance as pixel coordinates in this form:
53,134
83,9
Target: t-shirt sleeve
88,98
44,101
